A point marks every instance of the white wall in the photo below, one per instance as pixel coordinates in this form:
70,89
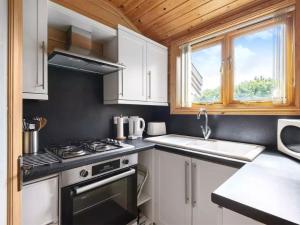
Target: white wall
3,110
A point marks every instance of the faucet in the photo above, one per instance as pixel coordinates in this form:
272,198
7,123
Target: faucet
206,131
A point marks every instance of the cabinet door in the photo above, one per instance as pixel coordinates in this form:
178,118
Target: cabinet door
207,177
233,218
157,73
132,80
172,189
34,53
40,203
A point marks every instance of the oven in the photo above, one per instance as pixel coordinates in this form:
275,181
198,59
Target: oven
105,195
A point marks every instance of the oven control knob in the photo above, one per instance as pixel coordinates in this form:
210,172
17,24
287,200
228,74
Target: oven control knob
84,173
125,161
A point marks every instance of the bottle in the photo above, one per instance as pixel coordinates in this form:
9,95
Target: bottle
120,128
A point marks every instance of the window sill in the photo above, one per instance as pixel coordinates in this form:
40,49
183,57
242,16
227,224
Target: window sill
238,110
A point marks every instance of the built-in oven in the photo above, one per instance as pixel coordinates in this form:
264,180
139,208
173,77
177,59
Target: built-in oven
100,194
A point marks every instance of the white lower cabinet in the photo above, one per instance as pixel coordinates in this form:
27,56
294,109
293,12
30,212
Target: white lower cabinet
170,190
40,202
183,188
233,218
207,177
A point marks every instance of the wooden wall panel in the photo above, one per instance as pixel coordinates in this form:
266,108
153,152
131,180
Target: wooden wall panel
100,10
297,51
169,19
15,110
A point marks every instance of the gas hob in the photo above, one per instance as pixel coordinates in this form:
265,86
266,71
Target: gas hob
87,148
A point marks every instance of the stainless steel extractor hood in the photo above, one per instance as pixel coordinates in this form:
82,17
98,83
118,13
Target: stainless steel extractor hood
78,55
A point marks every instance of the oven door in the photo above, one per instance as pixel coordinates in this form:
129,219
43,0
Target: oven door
106,200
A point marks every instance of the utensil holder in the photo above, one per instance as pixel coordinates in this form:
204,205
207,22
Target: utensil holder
30,142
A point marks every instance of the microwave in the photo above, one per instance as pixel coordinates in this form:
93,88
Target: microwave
288,137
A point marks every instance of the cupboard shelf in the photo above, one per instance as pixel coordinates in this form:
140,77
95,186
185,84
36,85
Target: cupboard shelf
143,199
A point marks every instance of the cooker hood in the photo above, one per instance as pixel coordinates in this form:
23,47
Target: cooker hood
79,57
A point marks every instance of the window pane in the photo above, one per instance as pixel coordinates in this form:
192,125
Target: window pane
254,68
206,76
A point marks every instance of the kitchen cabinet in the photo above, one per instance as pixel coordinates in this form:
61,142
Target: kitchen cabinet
233,218
144,81
157,70
35,62
172,189
206,178
132,53
40,202
183,188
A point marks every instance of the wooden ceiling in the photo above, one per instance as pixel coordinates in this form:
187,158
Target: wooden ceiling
164,20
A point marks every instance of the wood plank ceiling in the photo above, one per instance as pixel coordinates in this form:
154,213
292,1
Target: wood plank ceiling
164,20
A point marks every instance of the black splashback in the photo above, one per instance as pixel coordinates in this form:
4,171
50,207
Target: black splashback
75,108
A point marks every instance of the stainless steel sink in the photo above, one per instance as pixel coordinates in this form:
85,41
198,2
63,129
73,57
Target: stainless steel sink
236,150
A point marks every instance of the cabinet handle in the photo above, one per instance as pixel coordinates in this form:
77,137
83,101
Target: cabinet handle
194,201
186,186
42,84
20,173
122,83
149,86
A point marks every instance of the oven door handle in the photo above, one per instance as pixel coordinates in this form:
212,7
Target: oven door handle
100,183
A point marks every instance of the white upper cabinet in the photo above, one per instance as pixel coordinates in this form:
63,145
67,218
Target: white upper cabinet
157,70
132,53
144,81
35,61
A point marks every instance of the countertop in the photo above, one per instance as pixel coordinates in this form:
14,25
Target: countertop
267,189
139,144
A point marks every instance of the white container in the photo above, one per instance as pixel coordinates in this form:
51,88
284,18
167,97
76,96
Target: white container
156,128
120,128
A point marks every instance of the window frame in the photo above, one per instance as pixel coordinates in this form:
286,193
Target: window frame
289,76
228,106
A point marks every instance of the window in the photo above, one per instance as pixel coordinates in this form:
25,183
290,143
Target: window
247,68
206,76
258,60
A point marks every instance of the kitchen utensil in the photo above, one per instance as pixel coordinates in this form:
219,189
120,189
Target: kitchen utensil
40,123
136,127
30,141
156,128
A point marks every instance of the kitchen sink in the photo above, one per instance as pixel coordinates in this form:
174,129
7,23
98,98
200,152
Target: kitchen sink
236,150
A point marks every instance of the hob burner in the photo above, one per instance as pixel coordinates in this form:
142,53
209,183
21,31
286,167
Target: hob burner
86,148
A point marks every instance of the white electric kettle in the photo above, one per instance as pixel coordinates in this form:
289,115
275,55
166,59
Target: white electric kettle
136,127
